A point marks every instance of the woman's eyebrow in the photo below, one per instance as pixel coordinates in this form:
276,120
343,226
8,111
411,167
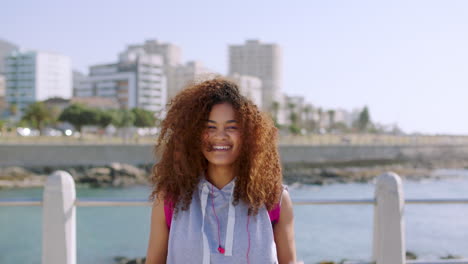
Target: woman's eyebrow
227,122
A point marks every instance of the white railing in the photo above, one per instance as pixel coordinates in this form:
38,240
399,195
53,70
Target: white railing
449,261
388,247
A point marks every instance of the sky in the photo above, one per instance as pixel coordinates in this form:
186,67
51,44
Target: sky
406,60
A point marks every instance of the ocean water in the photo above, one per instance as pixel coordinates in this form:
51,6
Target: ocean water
323,232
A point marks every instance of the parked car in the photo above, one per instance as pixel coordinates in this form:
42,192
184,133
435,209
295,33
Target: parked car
51,132
27,132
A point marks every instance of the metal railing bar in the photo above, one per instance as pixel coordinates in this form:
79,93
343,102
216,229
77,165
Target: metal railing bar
144,202
20,202
332,201
445,261
436,201
112,202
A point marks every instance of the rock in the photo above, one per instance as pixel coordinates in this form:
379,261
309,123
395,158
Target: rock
120,259
98,172
115,175
120,169
17,177
330,173
128,171
123,182
411,255
97,177
450,256
124,260
76,173
15,173
137,261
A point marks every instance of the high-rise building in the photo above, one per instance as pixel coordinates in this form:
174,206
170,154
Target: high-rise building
5,49
249,86
170,53
2,85
182,75
136,80
3,104
78,79
261,60
36,76
172,61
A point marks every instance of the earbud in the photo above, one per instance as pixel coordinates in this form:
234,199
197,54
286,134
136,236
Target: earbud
221,250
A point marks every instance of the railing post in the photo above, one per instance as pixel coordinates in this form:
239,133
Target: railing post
59,220
389,229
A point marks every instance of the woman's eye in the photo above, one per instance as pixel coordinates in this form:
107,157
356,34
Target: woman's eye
232,127
211,127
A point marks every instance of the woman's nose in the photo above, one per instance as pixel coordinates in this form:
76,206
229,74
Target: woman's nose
221,133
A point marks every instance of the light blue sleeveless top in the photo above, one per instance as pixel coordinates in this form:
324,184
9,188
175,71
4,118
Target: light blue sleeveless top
193,236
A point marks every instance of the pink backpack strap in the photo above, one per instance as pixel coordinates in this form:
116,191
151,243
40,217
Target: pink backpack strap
276,211
275,214
168,212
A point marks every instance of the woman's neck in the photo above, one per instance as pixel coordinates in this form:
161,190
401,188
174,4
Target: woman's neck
219,176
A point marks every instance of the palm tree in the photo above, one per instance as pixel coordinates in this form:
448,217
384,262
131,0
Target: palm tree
331,119
364,121
37,114
292,114
307,110
13,109
275,107
320,112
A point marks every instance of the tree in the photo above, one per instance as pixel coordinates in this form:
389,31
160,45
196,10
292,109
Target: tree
320,113
54,115
143,118
123,118
104,118
37,114
294,129
79,115
294,118
363,122
275,107
340,127
307,110
331,119
13,109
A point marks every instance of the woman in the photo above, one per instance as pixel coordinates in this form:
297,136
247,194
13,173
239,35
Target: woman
219,175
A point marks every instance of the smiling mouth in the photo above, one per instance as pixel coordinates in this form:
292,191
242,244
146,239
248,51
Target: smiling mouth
221,148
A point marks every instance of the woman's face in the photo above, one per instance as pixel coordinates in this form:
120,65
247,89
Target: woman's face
222,136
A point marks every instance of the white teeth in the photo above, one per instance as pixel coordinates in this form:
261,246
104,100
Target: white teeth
221,147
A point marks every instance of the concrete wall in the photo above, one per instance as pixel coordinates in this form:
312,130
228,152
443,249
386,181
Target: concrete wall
73,155
340,153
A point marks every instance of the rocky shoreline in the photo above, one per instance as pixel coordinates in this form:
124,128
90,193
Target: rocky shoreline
112,175
124,175
366,171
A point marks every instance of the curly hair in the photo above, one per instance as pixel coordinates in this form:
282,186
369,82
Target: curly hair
179,147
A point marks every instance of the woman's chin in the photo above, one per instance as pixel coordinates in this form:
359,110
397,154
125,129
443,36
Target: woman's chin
216,162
